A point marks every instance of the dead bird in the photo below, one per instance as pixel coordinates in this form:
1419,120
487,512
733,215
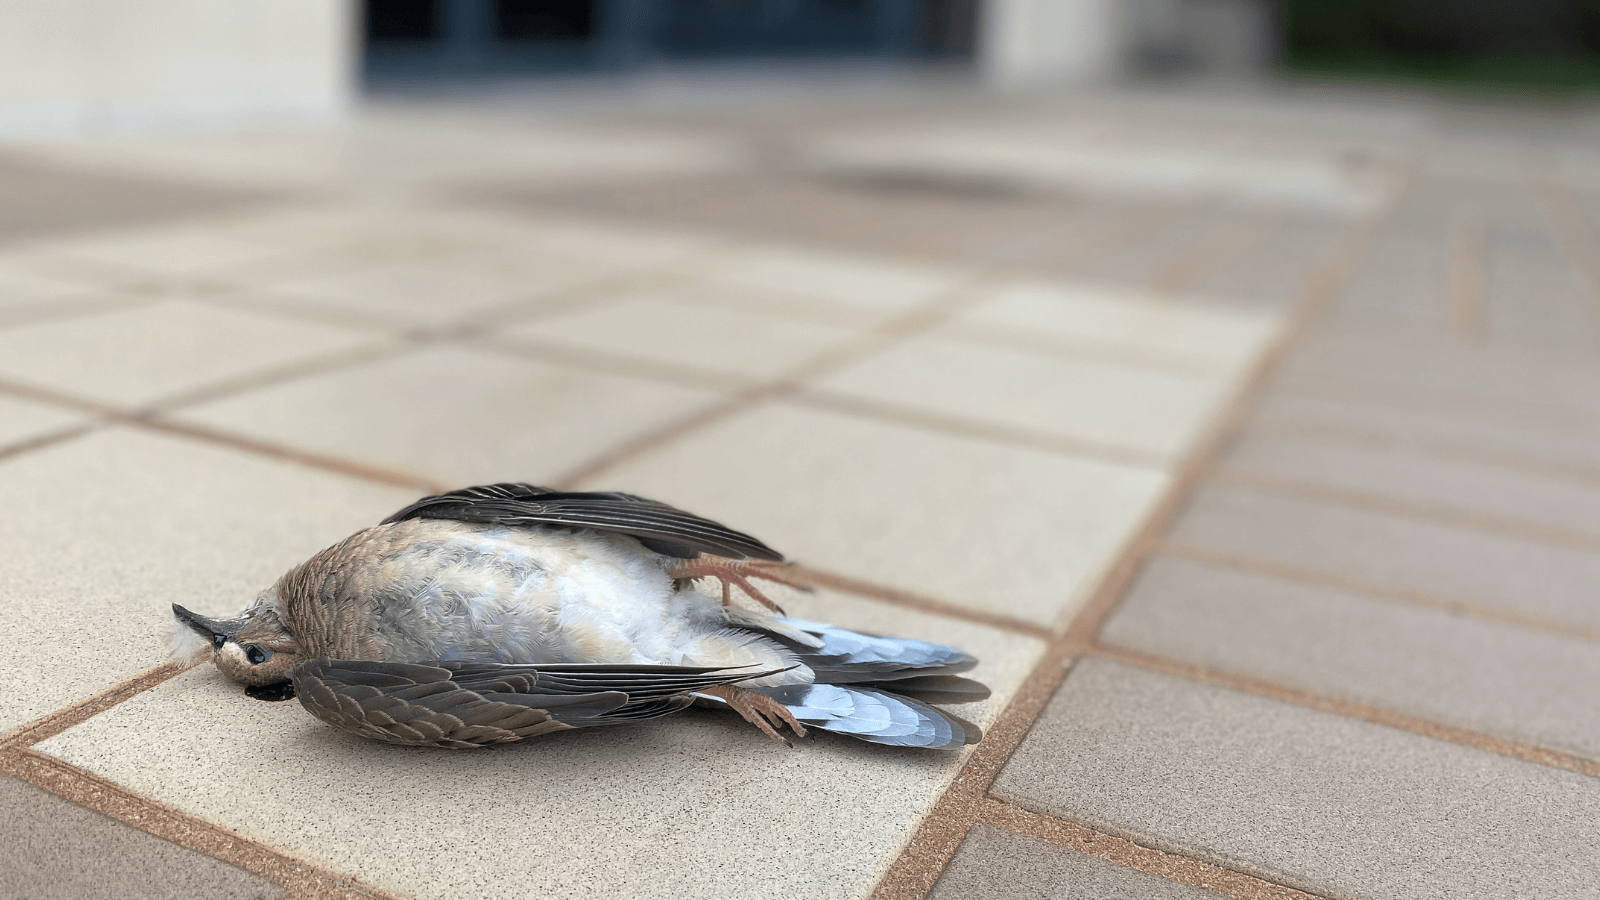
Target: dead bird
505,611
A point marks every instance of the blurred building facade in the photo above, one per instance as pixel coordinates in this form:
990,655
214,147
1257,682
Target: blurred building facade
77,66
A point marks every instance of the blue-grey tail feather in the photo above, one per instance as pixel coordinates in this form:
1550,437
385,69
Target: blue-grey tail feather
877,716
865,684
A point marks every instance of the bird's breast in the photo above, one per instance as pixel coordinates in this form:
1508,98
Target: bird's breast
445,590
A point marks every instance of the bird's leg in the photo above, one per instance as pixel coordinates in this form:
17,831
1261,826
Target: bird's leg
738,571
759,710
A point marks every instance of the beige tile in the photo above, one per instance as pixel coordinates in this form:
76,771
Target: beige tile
721,340
456,415
1331,805
856,280
110,529
1188,330
22,419
1112,406
1407,475
48,841
994,528
699,805
21,287
140,355
620,246
423,293
997,865
186,248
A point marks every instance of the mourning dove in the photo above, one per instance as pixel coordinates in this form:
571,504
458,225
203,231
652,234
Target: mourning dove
501,612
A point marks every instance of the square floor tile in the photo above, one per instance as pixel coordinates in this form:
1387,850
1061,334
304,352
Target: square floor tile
1227,339
995,528
856,280
700,804
456,415
1330,805
143,354
22,419
720,340
992,863
1437,560
1518,683
48,841
108,530
423,293
1119,408
1399,473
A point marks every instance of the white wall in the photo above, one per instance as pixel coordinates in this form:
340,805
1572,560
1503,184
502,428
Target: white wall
1031,41
92,66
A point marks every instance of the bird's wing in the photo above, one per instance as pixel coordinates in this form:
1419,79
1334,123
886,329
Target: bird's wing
450,704
662,528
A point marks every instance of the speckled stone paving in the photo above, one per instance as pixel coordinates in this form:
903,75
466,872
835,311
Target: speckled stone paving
1249,439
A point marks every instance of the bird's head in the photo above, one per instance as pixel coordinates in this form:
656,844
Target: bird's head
253,648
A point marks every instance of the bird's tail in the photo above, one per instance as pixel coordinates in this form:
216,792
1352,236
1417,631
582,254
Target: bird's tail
878,689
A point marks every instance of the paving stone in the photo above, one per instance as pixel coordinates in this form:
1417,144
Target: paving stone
22,420
1224,339
114,527
459,416
1274,272
700,804
1005,866
726,341
56,850
1414,476
425,294
1442,367
135,357
996,528
854,279
1442,561
1525,685
1529,437
43,199
1118,407
1334,806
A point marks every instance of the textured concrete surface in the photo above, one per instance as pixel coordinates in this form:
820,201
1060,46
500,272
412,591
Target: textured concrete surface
1049,521
690,805
107,541
1521,684
956,350
57,850
995,863
1314,800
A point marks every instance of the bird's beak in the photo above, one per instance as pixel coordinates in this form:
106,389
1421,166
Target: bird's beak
217,631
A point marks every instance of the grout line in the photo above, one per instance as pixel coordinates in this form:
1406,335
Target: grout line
46,440
1401,395
60,720
945,608
1100,351
1368,501
1379,591
1351,709
608,363
361,354
1222,244
289,454
1009,816
1464,280
928,420
1575,237
1378,439
300,879
929,849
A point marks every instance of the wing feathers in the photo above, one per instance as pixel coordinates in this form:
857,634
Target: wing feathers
663,528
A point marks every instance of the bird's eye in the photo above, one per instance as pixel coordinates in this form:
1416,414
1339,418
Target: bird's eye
257,654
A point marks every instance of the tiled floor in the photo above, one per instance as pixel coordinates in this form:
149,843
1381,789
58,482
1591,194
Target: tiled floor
1250,440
